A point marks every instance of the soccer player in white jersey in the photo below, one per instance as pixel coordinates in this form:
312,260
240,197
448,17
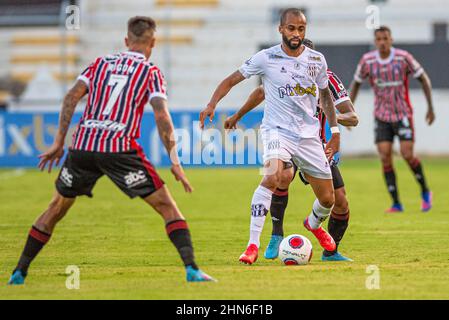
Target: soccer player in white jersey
291,74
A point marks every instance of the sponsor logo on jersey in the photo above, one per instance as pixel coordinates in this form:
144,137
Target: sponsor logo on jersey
383,84
315,58
297,65
297,90
283,70
133,179
104,125
274,57
66,177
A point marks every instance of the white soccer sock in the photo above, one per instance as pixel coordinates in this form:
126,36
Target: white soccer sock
319,215
259,208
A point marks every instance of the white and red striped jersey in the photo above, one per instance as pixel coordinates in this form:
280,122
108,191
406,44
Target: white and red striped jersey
389,80
119,85
339,94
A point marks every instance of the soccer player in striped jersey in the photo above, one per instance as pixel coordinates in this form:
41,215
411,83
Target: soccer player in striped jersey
388,70
339,219
117,87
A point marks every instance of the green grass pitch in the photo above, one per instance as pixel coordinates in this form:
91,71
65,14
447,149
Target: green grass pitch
123,252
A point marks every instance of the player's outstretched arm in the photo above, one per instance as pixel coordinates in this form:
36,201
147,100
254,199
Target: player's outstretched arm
333,146
220,92
56,151
166,132
347,116
427,88
255,98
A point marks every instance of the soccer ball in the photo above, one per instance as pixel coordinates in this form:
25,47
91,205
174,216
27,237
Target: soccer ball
295,250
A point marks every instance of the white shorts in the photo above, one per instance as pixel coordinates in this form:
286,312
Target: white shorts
307,153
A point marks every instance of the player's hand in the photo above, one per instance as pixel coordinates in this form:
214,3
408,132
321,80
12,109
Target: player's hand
208,112
51,156
231,122
333,146
430,117
179,174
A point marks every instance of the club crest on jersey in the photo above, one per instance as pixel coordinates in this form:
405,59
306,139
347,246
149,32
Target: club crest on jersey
104,125
312,70
297,90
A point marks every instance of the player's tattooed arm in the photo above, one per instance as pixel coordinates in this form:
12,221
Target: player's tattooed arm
165,126
54,154
220,92
347,116
427,88
255,98
69,103
166,132
333,146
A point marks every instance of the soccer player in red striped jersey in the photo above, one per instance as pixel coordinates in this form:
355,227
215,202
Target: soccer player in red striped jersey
117,87
388,70
339,219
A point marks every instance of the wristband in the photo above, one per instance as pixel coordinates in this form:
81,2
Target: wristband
335,130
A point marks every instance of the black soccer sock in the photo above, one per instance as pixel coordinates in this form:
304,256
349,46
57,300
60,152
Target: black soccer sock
337,227
279,202
179,234
390,179
417,169
36,240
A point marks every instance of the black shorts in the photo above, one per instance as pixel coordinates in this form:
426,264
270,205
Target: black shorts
337,178
386,131
130,171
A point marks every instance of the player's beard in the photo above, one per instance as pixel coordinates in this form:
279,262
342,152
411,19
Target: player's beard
289,44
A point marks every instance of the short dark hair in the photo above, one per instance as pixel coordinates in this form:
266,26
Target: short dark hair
308,43
295,11
138,26
382,29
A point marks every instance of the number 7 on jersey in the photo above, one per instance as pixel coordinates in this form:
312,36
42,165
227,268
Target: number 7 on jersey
118,81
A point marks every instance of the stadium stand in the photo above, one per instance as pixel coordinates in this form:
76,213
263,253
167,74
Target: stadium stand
201,41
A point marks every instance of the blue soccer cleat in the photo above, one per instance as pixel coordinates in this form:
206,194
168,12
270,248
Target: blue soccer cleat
335,257
395,208
17,278
196,275
426,204
272,250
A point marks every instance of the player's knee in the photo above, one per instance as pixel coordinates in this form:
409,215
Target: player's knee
285,179
271,181
327,200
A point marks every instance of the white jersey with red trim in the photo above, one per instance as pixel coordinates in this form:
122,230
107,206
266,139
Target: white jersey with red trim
120,86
